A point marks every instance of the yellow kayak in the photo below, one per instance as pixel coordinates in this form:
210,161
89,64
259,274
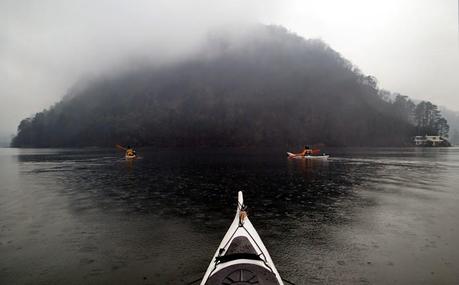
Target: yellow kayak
129,157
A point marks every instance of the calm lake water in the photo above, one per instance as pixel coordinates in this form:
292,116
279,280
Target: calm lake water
367,216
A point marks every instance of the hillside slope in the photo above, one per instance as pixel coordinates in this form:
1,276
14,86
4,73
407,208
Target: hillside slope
268,87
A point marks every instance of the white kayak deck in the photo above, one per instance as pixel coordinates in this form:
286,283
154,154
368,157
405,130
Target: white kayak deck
241,258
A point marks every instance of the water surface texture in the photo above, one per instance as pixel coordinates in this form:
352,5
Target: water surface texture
367,216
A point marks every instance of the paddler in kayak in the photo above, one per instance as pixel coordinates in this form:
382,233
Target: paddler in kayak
129,151
307,151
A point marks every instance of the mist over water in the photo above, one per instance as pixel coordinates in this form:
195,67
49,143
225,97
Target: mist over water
47,46
379,216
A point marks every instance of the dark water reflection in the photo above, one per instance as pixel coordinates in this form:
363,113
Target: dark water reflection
379,216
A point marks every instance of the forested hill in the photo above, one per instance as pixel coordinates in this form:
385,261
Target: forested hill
267,87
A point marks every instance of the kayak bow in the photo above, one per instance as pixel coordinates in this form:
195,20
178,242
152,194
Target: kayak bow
241,258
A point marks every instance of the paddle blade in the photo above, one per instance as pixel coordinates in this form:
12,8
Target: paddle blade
120,147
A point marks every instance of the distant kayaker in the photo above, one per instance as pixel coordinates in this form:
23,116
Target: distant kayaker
130,151
306,151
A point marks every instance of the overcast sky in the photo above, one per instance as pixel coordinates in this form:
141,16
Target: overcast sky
411,46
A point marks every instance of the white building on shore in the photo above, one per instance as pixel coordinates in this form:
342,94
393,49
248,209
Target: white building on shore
429,140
